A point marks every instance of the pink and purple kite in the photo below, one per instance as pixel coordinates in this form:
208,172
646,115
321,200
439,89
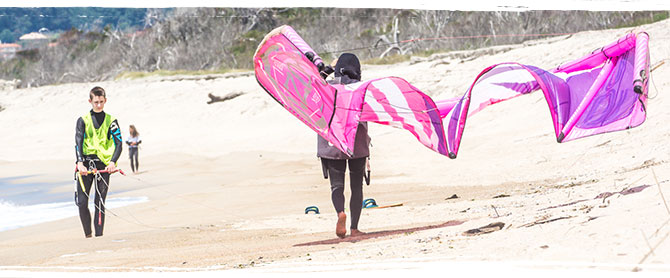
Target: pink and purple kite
601,92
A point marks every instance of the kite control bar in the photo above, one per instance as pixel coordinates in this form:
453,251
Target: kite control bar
94,171
101,171
105,171
324,70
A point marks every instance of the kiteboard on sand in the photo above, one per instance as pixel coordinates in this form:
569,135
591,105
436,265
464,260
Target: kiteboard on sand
388,206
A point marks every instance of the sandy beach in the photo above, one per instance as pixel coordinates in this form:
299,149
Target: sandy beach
227,183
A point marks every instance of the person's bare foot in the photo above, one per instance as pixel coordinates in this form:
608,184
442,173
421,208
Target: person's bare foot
356,232
341,229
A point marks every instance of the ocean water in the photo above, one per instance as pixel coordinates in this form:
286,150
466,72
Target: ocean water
23,204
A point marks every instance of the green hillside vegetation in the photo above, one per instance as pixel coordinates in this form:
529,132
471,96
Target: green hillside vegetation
15,22
218,40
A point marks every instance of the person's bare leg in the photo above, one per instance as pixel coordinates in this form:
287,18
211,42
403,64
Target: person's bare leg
341,228
356,232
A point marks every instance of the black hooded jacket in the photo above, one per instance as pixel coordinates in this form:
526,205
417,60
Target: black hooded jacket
347,71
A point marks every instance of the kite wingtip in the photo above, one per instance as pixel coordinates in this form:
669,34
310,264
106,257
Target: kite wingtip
452,155
560,137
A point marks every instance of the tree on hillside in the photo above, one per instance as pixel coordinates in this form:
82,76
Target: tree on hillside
6,36
21,21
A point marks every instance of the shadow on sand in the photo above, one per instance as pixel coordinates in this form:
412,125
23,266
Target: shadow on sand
381,234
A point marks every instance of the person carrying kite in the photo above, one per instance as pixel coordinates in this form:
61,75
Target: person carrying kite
334,161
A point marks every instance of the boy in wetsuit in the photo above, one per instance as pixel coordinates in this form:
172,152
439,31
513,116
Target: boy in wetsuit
98,146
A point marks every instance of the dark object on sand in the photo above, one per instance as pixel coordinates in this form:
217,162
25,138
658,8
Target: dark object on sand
501,196
214,98
485,229
626,191
312,208
545,221
452,197
369,203
604,196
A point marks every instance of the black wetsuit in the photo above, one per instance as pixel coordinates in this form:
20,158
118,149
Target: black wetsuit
92,161
336,172
334,161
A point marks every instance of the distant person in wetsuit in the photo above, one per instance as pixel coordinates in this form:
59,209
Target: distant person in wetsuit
98,145
133,144
334,161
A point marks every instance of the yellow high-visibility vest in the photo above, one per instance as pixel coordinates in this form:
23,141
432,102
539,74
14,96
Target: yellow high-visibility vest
96,139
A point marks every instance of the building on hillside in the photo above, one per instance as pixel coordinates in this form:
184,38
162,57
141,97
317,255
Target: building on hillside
33,40
8,50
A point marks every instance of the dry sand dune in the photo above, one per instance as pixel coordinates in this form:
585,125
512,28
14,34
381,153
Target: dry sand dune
228,182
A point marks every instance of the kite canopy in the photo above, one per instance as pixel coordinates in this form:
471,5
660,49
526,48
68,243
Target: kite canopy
601,92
